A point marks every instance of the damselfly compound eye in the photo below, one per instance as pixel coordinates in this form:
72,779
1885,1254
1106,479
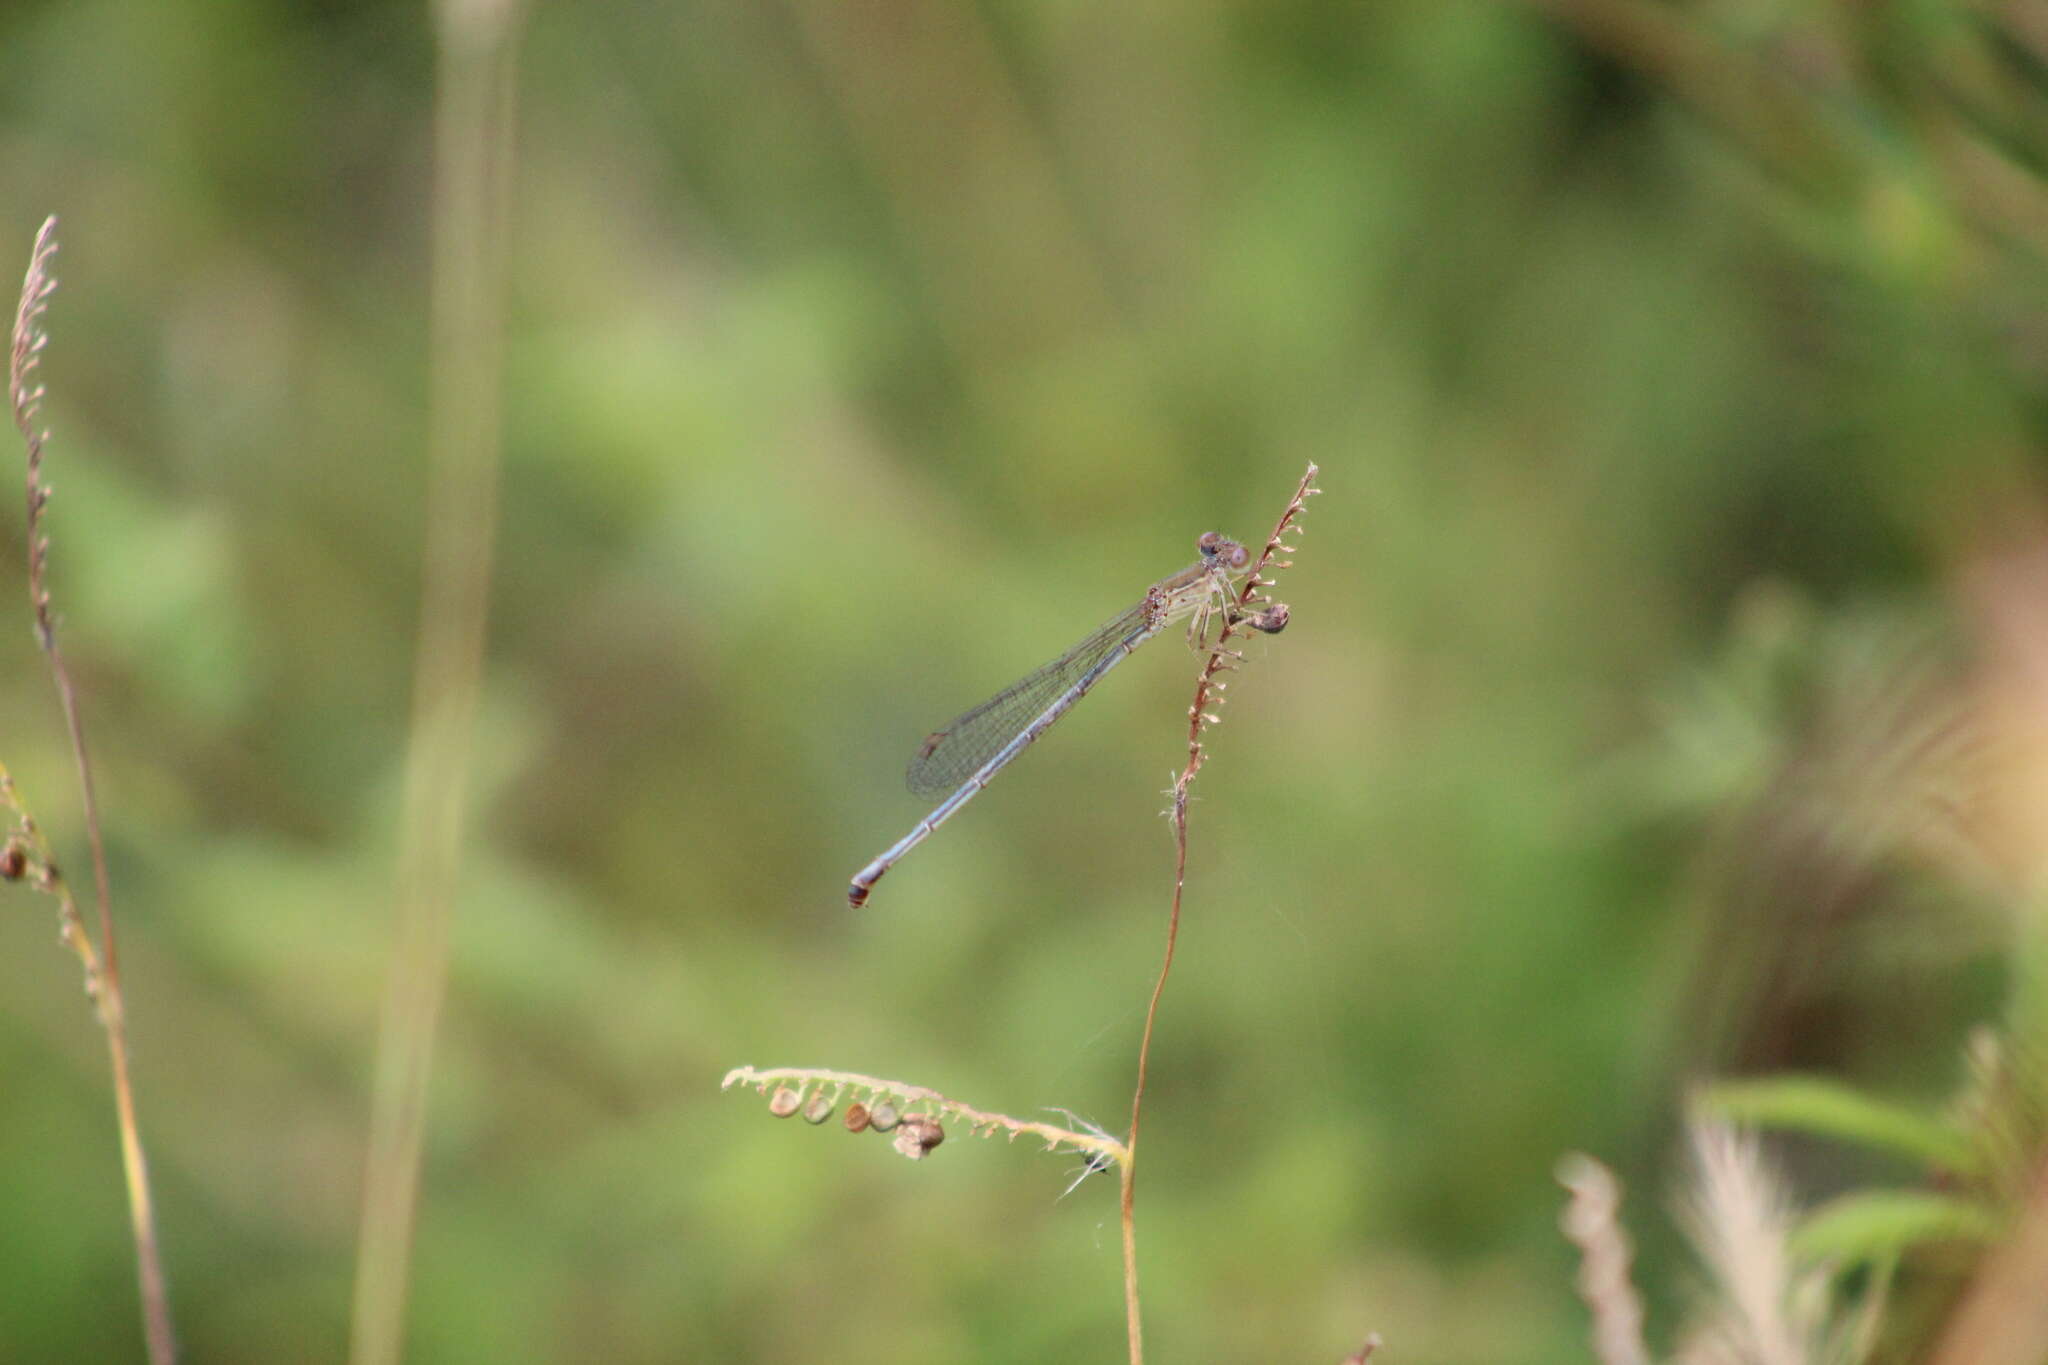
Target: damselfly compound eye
1209,544
1237,556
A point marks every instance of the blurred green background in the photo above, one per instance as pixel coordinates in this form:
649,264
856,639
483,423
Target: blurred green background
1669,368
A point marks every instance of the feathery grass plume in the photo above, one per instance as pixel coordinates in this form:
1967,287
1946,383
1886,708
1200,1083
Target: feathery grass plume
1829,763
26,356
1766,1308
1762,1306
1998,1106
1591,1220
27,852
1740,1221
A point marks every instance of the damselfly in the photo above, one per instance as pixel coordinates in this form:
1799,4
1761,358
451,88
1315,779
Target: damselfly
973,748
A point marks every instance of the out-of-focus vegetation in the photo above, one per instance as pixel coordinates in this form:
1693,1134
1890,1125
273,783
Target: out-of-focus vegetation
1663,700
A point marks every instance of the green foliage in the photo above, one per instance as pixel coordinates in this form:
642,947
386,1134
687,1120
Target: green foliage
1675,374
1880,1226
1826,1108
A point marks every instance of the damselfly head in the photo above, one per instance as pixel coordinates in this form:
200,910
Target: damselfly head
1222,550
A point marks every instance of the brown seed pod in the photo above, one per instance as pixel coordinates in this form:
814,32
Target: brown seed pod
1272,620
856,1117
918,1136
13,861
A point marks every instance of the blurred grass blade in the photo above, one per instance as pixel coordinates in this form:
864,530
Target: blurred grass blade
1880,1225
1824,1108
473,171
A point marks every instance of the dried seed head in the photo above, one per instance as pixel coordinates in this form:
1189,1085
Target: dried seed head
1363,1353
856,1117
1272,620
784,1101
918,1136
819,1109
13,861
883,1117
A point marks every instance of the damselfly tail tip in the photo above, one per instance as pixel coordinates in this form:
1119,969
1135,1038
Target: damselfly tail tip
857,896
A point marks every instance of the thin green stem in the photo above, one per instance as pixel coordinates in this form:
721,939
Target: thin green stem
474,156
102,970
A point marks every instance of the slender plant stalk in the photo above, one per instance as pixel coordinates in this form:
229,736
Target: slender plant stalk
102,965
473,136
1592,1220
1201,714
2001,1318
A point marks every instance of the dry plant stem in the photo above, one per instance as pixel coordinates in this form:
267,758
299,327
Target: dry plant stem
1363,1353
102,966
1592,1221
473,134
1200,715
2003,1316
